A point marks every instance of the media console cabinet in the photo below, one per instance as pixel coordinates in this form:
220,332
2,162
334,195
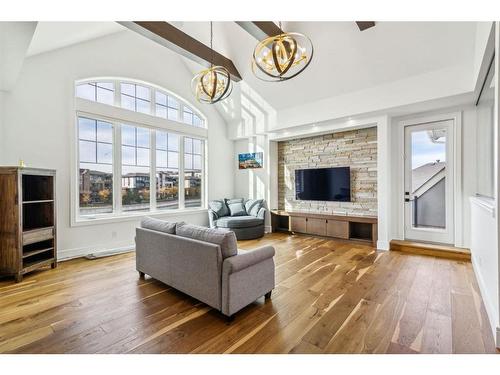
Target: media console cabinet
358,228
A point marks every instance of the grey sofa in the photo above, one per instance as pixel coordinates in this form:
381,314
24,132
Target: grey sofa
204,263
245,217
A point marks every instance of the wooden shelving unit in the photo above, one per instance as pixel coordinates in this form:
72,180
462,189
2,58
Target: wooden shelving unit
355,228
27,220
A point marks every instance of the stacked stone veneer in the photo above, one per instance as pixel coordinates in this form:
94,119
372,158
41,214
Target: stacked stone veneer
356,149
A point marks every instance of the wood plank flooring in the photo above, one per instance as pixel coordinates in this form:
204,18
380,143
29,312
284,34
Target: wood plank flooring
330,297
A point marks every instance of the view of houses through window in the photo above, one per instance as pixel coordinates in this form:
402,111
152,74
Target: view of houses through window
122,157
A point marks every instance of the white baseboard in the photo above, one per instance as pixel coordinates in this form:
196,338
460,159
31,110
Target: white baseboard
489,306
268,229
383,245
68,254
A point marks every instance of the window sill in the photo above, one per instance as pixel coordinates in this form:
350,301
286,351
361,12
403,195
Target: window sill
82,221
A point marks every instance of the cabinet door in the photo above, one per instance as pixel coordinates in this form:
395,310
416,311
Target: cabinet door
337,228
298,224
316,226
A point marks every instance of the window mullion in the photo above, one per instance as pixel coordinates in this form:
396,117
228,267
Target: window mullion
152,172
182,182
117,98
117,168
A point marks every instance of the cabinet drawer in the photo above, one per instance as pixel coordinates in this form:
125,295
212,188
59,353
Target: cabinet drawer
337,228
298,224
37,235
316,226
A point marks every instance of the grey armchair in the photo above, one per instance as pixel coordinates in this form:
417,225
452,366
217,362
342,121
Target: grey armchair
246,218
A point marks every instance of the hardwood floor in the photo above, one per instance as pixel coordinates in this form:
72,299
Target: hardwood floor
331,297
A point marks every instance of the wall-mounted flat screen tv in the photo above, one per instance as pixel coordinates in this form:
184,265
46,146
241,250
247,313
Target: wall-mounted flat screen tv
323,184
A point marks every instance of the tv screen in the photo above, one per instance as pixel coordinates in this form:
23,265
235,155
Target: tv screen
323,184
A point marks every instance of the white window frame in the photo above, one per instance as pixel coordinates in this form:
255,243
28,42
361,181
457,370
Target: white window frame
117,116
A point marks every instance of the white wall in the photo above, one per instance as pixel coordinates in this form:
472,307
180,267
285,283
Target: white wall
38,120
484,249
430,86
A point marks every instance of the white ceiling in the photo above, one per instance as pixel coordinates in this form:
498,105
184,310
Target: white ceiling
345,59
53,35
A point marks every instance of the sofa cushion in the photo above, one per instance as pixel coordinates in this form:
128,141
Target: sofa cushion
219,207
252,206
236,207
158,225
222,237
239,222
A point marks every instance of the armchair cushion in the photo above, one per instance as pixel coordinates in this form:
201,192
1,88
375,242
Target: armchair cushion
158,225
238,222
253,206
245,259
236,207
222,237
219,207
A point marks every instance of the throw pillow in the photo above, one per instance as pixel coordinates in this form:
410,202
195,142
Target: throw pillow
236,207
219,207
222,237
253,206
158,225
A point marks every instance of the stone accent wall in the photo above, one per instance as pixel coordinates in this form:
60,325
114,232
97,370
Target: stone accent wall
356,149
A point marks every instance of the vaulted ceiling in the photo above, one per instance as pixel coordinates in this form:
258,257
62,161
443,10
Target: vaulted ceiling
345,59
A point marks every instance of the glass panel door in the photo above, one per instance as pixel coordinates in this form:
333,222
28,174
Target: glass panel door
429,182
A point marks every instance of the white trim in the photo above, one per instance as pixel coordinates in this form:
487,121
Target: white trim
63,255
383,245
131,216
456,117
111,113
268,228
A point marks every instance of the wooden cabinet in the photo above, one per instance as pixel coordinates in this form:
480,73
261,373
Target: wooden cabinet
298,224
359,228
337,228
27,220
316,226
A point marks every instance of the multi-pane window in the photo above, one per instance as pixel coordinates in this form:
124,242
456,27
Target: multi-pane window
95,150
140,98
102,92
167,106
135,97
167,170
135,168
193,163
129,165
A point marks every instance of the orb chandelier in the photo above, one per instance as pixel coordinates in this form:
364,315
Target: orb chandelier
213,84
281,57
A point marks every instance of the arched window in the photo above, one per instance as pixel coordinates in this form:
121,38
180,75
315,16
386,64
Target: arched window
140,148
140,97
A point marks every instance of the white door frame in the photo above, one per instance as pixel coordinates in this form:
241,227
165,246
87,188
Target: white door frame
457,158
440,235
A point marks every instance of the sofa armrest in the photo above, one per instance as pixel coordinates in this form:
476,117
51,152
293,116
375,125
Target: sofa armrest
262,213
212,218
247,259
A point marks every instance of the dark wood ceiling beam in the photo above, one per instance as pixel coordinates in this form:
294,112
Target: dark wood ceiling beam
176,40
363,25
260,29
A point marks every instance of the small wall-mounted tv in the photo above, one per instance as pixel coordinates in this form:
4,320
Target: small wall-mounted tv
323,184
